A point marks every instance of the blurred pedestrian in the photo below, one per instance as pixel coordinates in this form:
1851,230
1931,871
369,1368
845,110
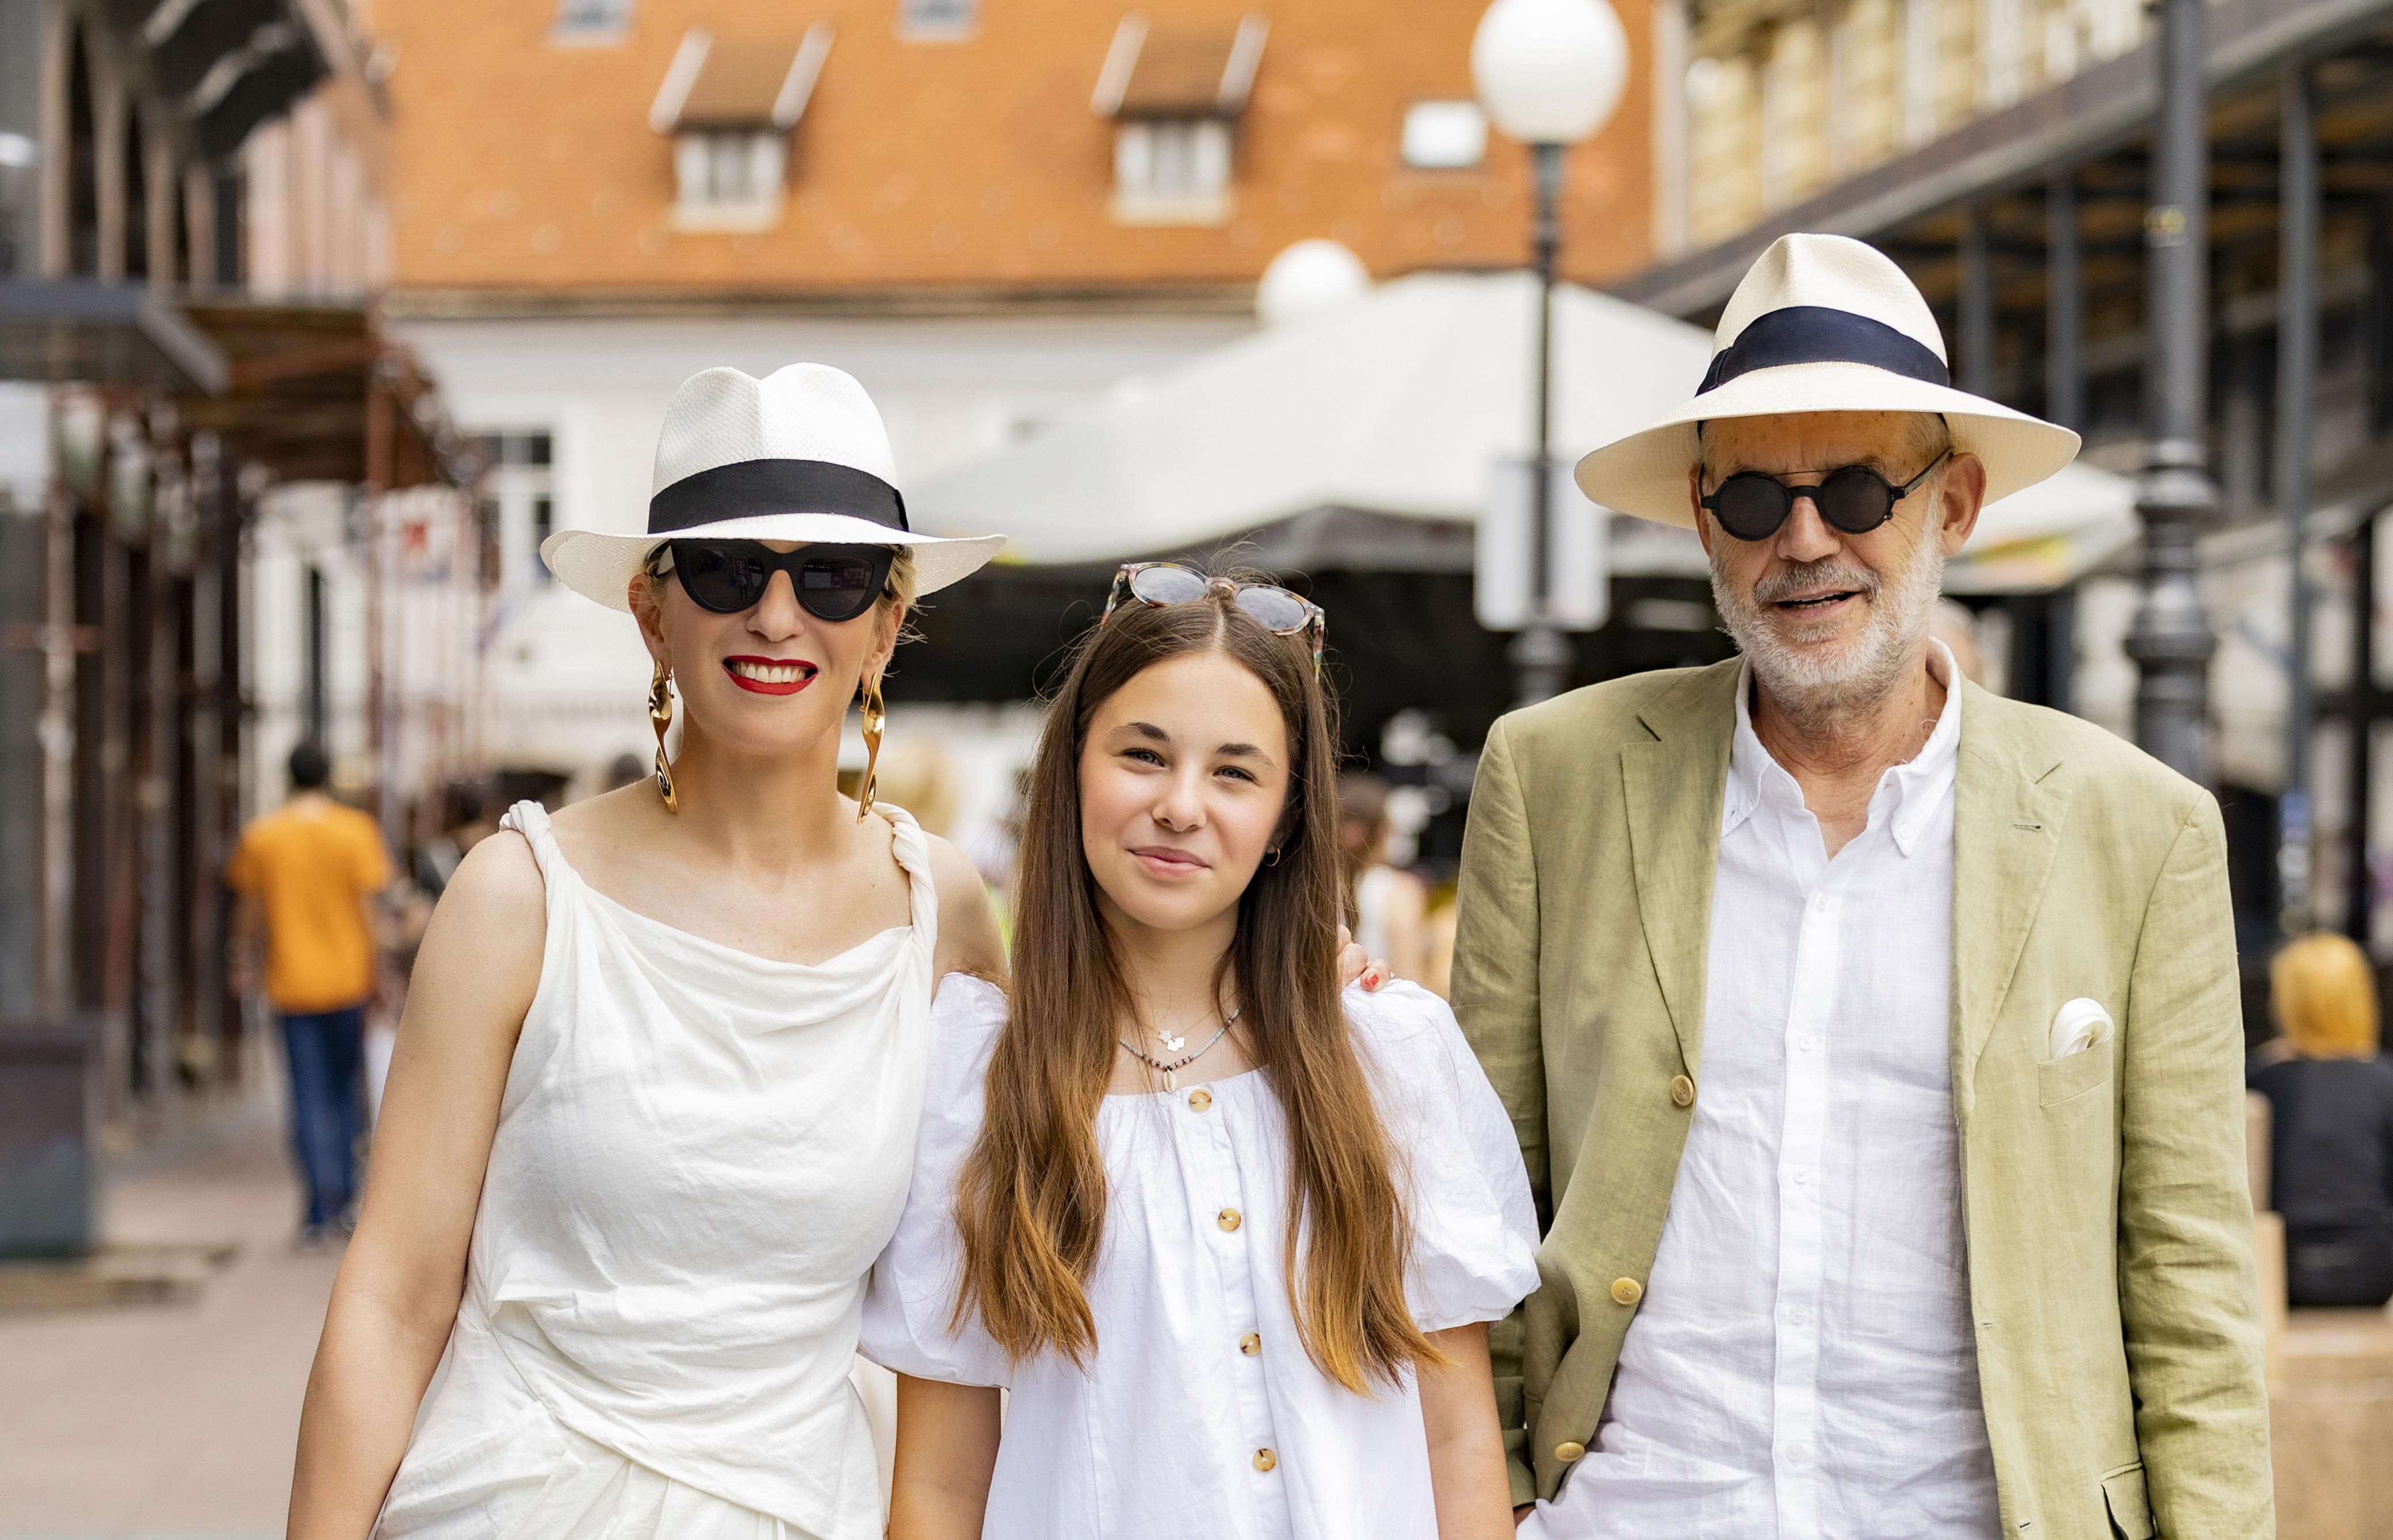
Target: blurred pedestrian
2331,1125
1873,1041
655,1099
1389,905
466,821
310,876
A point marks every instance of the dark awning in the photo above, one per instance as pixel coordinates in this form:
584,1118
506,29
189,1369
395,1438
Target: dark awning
300,382
1198,70
82,330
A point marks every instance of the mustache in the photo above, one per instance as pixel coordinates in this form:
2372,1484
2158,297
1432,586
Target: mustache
1829,572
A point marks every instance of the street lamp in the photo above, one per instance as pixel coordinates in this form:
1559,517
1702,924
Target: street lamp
2170,639
1549,73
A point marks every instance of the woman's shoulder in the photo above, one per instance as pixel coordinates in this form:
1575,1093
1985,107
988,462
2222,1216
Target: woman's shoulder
969,942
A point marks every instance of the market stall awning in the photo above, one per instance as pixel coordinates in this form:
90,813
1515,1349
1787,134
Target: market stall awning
70,330
1397,404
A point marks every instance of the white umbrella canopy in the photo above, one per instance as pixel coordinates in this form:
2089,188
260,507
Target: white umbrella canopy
1398,403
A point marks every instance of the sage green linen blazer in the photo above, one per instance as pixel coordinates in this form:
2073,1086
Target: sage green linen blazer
2105,1204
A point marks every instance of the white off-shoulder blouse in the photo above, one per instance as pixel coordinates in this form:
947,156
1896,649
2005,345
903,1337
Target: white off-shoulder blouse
1202,1415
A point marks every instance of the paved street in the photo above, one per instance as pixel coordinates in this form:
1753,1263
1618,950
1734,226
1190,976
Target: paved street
172,1422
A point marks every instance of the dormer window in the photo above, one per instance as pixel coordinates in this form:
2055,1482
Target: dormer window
1174,97
731,106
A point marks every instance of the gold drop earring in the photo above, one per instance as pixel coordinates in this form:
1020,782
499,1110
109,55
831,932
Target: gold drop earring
661,717
876,717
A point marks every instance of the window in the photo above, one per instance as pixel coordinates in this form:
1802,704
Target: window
1173,171
1174,97
937,19
731,106
591,21
1444,136
519,500
730,172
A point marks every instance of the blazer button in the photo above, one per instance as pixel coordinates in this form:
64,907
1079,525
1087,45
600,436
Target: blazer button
1626,1291
1569,1451
1199,1099
1250,1344
1266,1459
1229,1219
1682,1090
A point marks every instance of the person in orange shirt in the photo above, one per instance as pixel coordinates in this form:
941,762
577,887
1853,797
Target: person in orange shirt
311,872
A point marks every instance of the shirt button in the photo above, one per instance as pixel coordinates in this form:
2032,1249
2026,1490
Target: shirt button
1626,1291
1199,1099
1569,1451
1802,1175
1799,1316
1250,1344
1682,1090
1266,1459
1229,1219
1807,1042
1798,1454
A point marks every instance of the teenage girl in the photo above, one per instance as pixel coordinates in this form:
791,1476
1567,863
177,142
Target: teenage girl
1229,1236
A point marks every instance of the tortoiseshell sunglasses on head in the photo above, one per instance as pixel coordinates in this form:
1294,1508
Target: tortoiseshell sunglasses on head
1268,604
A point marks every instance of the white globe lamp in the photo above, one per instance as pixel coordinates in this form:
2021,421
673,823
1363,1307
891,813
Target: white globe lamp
1307,278
1550,72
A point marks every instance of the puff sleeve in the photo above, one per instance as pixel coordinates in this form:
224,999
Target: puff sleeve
913,1289
1475,1223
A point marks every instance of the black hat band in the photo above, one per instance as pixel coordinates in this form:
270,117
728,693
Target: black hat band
1816,333
752,488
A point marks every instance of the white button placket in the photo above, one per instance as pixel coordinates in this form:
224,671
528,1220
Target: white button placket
1219,1199
1795,1386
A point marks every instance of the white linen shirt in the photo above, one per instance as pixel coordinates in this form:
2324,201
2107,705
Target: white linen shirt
1200,1416
1803,1366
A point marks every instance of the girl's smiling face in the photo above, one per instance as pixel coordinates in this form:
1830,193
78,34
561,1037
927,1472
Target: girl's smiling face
1184,782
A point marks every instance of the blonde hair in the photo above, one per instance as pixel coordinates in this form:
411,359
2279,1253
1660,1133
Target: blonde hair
2322,991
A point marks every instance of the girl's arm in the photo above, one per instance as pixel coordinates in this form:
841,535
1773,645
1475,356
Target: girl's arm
396,1295
946,1451
1466,1446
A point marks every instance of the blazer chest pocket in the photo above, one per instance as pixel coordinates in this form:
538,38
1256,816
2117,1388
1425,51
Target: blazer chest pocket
2072,1075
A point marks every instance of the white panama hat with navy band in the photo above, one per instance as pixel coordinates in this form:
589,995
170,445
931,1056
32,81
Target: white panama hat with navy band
1822,324
800,455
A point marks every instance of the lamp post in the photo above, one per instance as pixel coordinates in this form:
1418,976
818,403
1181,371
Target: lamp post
2170,640
1549,73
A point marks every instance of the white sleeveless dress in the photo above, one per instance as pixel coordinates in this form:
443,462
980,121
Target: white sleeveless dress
699,1155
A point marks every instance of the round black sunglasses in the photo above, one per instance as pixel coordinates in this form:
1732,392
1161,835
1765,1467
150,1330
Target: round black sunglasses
832,582
1854,499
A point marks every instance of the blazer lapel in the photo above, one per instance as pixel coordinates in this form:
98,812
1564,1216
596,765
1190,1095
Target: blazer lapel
1674,786
2007,819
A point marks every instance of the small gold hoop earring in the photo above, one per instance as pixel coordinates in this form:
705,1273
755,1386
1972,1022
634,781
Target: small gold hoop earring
1271,857
661,717
876,717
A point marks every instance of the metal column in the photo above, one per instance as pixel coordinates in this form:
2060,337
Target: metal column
2170,640
2297,370
1976,304
1539,656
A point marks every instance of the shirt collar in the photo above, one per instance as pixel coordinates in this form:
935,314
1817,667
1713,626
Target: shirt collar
1907,793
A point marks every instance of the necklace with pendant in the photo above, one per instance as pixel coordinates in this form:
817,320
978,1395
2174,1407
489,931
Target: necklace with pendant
1170,1070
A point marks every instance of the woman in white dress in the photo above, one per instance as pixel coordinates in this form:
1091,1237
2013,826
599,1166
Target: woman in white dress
1230,1237
659,1077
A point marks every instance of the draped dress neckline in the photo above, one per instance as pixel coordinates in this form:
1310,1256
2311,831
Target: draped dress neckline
699,1152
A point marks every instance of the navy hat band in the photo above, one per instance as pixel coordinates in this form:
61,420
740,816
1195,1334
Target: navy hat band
1816,333
748,488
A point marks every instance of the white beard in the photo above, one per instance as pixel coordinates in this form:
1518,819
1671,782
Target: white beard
1810,679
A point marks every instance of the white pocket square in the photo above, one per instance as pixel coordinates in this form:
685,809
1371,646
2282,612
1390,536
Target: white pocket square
2078,1025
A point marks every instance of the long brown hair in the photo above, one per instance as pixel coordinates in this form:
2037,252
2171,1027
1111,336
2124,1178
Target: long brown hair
1030,1201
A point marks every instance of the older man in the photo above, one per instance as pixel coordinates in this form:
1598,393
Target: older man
1873,1041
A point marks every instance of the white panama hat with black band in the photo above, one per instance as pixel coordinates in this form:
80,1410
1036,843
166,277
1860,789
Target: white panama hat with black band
800,455
1822,324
